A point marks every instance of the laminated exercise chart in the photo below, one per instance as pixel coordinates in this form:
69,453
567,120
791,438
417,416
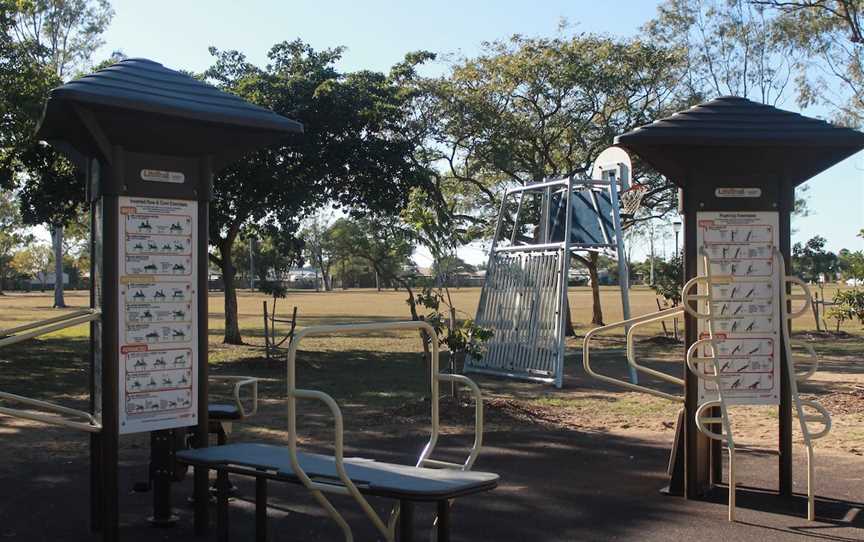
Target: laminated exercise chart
745,310
158,339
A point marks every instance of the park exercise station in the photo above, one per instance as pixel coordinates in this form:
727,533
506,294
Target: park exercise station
150,140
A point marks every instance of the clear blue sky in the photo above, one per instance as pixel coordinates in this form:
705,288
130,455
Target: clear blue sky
378,34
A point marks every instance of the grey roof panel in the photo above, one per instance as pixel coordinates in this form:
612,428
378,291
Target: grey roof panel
735,121
143,106
148,86
732,136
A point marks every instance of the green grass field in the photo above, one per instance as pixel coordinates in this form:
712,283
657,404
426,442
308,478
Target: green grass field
381,376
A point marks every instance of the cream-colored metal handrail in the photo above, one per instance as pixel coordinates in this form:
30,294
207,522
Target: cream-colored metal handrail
694,364
92,425
346,486
824,416
477,395
49,326
239,383
665,314
586,356
35,329
47,321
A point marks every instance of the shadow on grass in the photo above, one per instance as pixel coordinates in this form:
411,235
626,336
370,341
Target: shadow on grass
48,368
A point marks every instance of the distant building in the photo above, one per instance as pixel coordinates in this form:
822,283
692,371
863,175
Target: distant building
47,279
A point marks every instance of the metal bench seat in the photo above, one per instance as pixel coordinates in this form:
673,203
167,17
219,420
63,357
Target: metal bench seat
224,412
429,480
406,483
371,477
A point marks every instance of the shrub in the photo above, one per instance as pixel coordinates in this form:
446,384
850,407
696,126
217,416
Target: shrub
848,305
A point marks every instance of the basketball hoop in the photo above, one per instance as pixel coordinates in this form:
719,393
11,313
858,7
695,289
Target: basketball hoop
631,199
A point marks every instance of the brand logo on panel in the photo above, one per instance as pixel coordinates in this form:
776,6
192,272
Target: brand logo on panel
738,192
159,176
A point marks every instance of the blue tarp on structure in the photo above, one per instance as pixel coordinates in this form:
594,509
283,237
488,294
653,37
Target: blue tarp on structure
591,222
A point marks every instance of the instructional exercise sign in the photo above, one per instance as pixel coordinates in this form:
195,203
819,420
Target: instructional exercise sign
158,328
740,248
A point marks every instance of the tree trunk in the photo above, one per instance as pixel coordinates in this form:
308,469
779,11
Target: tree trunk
651,272
328,280
325,271
377,281
57,240
229,274
343,276
597,309
568,320
424,337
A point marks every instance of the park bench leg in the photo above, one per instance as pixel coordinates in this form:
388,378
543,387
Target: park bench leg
201,499
443,521
222,504
261,509
406,521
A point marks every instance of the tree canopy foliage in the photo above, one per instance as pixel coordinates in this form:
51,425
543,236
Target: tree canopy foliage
829,36
530,108
356,150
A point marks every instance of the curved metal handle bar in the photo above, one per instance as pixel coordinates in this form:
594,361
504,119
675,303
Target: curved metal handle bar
812,368
239,383
693,362
47,321
702,419
807,296
472,455
586,363
478,424
36,329
723,420
348,488
787,345
824,418
687,297
92,425
49,326
706,280
631,349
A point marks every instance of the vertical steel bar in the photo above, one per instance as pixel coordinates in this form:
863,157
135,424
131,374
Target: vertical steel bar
406,521
96,489
201,490
623,271
222,486
261,509
443,521
110,351
696,445
784,468
563,270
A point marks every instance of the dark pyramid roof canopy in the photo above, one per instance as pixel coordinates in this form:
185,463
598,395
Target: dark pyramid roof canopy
736,134
144,107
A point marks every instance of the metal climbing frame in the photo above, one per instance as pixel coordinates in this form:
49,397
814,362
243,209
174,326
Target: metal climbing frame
524,297
345,485
85,421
